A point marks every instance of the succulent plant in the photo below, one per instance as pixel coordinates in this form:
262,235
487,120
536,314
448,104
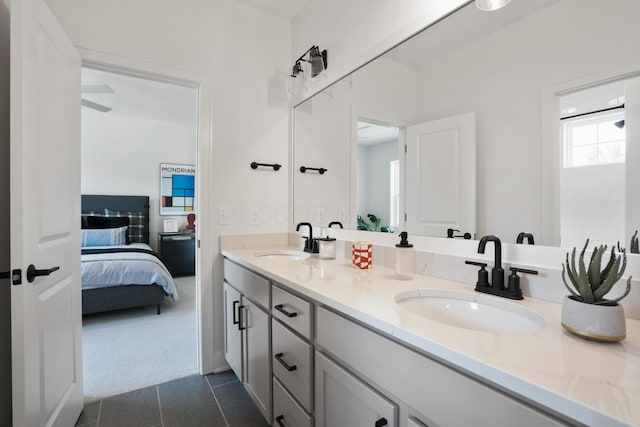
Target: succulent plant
591,284
633,247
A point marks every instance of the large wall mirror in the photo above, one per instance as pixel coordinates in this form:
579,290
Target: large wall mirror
524,119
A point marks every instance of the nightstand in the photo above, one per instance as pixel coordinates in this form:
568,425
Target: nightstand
178,251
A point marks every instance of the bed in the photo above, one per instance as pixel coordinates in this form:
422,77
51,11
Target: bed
119,270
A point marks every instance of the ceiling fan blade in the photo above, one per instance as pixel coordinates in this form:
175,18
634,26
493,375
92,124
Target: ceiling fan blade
95,105
96,89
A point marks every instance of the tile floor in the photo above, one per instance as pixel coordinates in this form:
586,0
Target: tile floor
212,400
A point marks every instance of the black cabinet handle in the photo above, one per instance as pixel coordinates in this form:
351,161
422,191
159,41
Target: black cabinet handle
279,419
281,309
285,364
33,272
235,321
381,422
240,327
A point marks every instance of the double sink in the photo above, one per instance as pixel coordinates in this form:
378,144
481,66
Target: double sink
461,309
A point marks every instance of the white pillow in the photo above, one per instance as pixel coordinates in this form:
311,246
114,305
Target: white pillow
104,236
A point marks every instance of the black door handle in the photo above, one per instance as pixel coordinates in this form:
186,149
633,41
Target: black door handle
285,364
33,272
381,422
240,327
279,419
235,321
280,308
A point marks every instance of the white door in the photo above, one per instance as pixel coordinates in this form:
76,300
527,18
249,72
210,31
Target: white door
232,331
632,172
258,356
343,400
46,317
441,176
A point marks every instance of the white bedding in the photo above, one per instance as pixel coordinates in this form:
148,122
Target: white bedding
125,268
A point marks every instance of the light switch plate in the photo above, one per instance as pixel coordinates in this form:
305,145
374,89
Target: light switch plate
224,216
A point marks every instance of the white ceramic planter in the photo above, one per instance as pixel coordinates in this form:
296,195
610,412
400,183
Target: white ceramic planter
603,323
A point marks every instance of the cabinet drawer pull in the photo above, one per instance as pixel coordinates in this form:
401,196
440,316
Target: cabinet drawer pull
285,364
279,419
381,422
281,309
240,327
235,320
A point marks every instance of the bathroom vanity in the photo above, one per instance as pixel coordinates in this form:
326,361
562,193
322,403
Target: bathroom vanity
324,344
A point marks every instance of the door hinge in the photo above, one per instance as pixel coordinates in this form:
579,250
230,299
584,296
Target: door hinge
405,149
16,277
405,217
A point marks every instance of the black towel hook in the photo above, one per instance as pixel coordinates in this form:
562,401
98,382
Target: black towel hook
321,171
275,166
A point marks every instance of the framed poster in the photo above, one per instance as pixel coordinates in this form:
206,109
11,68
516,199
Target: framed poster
177,189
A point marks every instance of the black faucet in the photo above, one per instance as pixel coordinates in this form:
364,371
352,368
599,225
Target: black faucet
338,223
310,244
497,272
496,287
522,236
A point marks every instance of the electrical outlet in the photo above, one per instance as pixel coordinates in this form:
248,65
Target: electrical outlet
319,214
253,216
223,216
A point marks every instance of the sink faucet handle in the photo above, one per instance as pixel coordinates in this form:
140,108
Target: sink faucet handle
483,275
513,286
516,270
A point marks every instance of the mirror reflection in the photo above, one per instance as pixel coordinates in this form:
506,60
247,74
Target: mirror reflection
512,77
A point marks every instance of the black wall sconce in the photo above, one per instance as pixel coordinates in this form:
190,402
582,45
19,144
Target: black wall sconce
317,59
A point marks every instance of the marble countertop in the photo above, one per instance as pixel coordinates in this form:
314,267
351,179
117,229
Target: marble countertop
591,383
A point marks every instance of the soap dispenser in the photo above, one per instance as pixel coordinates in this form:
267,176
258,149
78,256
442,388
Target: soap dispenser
404,258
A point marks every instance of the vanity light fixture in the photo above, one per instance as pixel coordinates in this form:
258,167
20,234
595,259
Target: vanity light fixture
316,58
490,5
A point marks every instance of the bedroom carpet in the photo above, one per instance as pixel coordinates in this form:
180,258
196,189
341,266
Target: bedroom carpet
130,349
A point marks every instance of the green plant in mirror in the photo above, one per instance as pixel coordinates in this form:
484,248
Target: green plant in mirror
591,283
375,224
633,247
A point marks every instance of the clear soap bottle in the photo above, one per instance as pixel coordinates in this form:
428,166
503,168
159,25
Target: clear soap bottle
405,258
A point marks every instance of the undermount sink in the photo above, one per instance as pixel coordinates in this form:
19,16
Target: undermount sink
471,310
282,253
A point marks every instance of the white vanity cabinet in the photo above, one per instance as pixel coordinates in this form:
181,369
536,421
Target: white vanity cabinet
343,400
248,332
416,381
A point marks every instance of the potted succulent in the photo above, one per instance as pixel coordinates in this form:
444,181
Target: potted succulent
586,312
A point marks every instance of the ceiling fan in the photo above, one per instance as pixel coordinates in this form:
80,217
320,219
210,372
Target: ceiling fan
96,89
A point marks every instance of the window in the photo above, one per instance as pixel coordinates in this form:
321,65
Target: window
593,140
394,193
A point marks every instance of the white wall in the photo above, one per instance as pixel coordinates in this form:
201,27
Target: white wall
122,155
5,253
375,160
592,205
246,54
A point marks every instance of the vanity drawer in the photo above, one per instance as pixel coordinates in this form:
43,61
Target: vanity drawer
293,311
254,287
286,411
292,363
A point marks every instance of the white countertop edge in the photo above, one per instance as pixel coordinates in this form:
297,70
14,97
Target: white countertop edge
564,406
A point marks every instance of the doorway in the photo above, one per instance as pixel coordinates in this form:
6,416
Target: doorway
132,123
597,158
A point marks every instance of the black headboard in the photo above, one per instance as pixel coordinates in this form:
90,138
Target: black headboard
98,203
